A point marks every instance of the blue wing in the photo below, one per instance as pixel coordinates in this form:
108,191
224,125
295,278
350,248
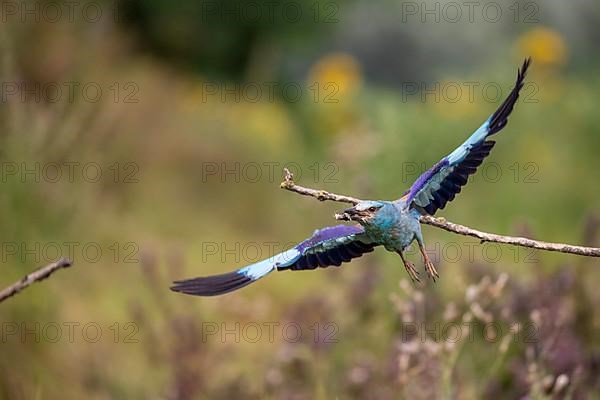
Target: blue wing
442,182
327,247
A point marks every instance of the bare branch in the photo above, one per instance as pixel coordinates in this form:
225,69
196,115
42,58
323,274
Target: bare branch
322,195
289,184
513,240
36,276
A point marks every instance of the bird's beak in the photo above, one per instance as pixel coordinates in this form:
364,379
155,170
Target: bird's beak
348,214
350,211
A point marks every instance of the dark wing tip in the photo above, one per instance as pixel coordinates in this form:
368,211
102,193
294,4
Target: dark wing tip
500,117
526,63
522,72
212,285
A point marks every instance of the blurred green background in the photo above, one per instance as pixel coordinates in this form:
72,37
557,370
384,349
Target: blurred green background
176,119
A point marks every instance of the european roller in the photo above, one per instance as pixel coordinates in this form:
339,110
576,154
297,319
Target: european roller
391,224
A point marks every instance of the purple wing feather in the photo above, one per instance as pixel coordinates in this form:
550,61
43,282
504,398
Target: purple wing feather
329,233
426,177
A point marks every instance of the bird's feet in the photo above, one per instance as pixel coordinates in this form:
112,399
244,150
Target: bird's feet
430,269
412,271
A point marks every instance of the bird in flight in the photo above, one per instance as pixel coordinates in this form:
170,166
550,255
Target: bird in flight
391,224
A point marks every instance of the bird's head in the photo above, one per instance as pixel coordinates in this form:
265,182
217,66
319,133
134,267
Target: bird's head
366,212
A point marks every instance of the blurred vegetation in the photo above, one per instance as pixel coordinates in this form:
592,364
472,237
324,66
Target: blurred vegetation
157,204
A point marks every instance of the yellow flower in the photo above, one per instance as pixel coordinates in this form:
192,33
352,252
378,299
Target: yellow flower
545,46
333,82
339,69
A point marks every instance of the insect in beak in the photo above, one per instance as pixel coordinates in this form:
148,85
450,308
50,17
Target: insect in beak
351,214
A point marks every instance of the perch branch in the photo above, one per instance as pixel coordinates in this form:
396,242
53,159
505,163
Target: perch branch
512,240
35,276
289,184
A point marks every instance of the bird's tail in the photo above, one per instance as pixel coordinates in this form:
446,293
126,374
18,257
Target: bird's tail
225,283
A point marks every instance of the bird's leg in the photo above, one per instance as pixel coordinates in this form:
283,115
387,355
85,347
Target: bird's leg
429,267
410,268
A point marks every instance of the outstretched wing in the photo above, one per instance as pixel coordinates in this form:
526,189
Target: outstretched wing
442,182
327,247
